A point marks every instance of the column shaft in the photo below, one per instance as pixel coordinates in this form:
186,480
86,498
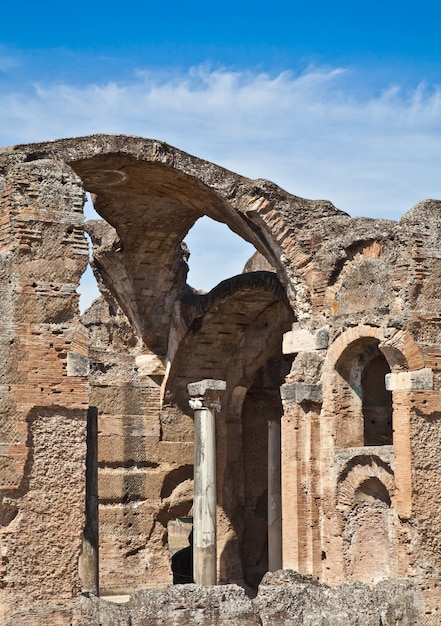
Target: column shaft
204,504
205,397
274,498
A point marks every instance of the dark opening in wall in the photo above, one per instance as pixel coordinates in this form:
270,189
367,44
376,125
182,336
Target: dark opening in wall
377,403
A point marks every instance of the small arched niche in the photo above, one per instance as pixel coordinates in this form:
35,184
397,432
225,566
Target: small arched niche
370,532
372,491
364,406
376,403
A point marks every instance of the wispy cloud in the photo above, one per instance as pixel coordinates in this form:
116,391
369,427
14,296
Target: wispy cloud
312,133
319,134
8,60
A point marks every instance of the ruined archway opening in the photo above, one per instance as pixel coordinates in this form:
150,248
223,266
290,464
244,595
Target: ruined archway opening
88,289
216,253
238,334
134,509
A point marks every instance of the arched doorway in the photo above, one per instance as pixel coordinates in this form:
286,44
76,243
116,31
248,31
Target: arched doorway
262,411
252,312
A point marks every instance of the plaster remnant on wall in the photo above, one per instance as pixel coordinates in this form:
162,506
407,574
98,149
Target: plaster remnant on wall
149,365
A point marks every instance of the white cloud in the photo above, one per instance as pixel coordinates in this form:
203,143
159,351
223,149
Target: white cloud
318,134
311,133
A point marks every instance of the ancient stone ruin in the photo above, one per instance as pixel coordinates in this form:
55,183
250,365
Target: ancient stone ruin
291,416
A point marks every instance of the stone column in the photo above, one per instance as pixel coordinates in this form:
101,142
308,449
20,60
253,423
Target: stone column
274,498
205,397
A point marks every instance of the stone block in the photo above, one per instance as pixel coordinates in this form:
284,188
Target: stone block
301,392
402,381
208,386
301,340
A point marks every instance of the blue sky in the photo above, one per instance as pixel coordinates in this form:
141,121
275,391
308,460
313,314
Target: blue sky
334,100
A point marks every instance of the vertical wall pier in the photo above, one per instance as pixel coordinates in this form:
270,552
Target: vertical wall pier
205,397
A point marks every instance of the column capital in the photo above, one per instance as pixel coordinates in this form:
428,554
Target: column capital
206,393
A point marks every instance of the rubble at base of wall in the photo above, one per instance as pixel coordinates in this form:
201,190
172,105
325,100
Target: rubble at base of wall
284,598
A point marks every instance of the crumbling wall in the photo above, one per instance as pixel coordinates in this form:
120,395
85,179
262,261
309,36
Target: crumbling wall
284,598
134,460
44,385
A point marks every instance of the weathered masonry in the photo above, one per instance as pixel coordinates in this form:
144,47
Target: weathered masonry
293,412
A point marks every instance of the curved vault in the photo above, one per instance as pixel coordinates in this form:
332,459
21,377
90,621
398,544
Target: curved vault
232,333
152,194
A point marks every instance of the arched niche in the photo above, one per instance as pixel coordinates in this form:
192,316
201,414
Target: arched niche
373,545
365,416
354,383
376,403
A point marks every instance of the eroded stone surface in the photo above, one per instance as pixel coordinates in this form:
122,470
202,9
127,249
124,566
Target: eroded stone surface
283,599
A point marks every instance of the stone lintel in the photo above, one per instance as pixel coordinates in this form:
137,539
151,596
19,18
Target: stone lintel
416,379
208,386
302,340
301,392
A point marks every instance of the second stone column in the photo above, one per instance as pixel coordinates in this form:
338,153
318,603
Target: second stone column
205,398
